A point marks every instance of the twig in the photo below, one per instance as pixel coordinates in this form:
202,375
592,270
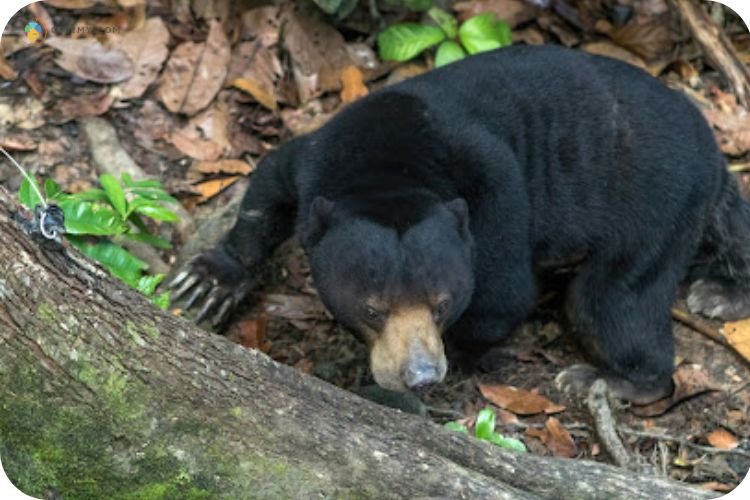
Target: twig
718,49
739,167
605,424
699,326
709,331
664,437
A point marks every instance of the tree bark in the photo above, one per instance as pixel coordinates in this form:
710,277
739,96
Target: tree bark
103,396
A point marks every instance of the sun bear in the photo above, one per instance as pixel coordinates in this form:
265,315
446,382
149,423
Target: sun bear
425,207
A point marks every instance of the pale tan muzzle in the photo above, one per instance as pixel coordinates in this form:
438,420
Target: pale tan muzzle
409,352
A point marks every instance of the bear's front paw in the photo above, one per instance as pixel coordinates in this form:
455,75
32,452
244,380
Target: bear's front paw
716,301
215,282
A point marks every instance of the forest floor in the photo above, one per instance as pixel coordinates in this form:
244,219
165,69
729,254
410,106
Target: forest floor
278,71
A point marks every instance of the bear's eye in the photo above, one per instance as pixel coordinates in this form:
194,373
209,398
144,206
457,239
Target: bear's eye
373,315
441,309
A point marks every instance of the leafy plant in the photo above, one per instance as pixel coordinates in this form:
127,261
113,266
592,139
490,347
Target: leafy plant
484,428
479,33
99,220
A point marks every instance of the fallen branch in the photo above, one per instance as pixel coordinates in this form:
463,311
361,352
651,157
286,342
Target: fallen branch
717,48
605,423
106,397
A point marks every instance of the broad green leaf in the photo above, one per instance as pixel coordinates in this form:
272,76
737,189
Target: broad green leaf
115,194
509,443
153,210
127,179
52,189
448,52
402,42
147,284
152,194
27,195
482,33
161,301
114,258
455,426
485,424
445,20
93,194
82,217
148,239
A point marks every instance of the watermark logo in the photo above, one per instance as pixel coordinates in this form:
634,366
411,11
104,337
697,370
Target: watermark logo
35,32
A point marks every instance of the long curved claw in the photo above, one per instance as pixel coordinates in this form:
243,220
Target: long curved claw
185,287
198,293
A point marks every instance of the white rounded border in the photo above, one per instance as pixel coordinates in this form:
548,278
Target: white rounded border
9,7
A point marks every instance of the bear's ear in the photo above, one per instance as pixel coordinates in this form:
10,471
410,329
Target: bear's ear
318,221
460,210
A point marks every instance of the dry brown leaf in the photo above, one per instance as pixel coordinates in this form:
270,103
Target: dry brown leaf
559,440
305,119
723,439
689,380
737,334
251,333
79,106
352,85
649,40
200,149
317,51
732,130
261,24
294,307
717,486
405,72
147,48
195,72
72,4
519,401
7,72
513,12
260,91
234,167
205,137
131,3
209,189
90,60
18,142
605,48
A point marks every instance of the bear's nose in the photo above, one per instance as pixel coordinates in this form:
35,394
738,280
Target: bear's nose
420,372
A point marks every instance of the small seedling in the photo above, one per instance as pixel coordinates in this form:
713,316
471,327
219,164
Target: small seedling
479,33
98,221
484,428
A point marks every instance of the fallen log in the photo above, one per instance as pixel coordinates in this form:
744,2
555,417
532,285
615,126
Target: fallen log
103,396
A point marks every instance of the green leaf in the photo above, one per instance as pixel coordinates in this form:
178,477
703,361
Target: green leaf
93,194
445,20
402,42
509,443
115,194
482,33
152,194
161,301
82,217
148,239
153,210
448,52
455,426
147,284
27,195
114,258
485,424
52,189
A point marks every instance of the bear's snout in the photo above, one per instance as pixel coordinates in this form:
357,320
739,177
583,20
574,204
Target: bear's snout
409,352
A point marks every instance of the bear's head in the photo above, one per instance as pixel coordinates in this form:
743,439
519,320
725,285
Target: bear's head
398,281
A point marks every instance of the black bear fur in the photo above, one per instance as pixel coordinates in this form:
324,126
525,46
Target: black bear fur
445,191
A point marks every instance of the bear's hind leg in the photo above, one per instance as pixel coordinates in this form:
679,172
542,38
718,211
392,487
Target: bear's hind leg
621,312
